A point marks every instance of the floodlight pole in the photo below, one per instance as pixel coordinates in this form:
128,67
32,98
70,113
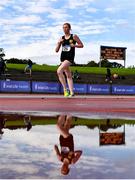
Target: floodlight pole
100,58
100,63
125,62
125,58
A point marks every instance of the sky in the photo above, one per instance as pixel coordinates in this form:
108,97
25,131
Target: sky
31,29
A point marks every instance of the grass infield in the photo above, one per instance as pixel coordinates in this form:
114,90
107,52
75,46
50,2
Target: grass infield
91,70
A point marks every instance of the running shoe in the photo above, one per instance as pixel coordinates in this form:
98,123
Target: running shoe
71,95
66,93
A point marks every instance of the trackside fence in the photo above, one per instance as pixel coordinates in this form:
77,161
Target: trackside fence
55,88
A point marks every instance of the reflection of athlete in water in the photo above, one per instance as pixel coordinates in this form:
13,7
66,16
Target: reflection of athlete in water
68,42
66,154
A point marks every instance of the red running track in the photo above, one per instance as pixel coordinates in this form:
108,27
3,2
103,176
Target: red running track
115,106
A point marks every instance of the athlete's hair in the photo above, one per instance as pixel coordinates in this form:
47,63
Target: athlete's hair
69,25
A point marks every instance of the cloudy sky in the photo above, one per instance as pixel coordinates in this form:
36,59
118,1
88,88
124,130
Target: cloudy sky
30,29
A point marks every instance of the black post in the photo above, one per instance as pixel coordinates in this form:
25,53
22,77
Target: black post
110,88
30,85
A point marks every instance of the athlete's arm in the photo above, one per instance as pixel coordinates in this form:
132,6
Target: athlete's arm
59,45
79,42
57,152
77,156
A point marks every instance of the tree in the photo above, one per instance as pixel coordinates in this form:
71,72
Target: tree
2,54
92,64
116,65
105,63
17,61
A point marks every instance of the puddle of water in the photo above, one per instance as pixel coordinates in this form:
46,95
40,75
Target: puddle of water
38,146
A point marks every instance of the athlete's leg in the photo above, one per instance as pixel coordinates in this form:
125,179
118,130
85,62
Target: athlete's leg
68,122
30,69
60,71
69,79
30,72
26,67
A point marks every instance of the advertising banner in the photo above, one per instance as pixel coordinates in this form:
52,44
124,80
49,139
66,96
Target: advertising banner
123,89
98,89
15,86
78,88
45,87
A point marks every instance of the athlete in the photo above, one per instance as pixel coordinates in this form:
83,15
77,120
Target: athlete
29,67
66,154
68,42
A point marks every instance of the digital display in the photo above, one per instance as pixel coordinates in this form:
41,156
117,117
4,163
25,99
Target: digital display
114,53
112,138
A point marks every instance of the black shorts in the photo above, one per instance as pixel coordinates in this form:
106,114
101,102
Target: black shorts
68,56
67,142
71,61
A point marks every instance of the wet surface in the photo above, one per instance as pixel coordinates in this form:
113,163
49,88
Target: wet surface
103,106
33,146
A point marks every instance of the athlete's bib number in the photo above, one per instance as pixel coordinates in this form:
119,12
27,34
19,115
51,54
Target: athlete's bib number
66,48
65,149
